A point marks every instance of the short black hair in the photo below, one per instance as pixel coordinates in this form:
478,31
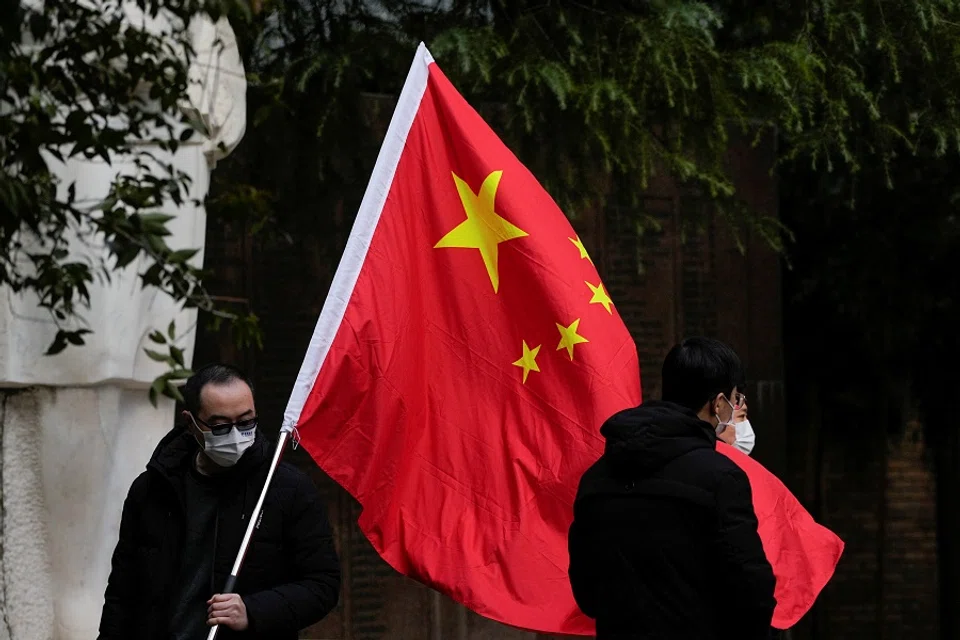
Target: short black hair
214,373
697,369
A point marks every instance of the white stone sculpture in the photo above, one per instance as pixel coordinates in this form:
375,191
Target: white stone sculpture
78,427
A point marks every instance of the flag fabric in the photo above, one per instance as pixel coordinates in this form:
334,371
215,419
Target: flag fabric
803,553
462,365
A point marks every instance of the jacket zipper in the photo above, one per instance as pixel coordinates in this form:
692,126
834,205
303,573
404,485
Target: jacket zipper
216,537
213,558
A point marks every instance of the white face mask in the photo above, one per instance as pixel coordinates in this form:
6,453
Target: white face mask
226,450
746,438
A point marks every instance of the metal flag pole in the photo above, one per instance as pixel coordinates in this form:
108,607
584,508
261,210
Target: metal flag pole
252,525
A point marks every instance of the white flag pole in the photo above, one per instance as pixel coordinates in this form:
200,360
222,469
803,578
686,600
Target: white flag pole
252,525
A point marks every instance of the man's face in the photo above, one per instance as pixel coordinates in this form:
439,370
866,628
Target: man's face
222,404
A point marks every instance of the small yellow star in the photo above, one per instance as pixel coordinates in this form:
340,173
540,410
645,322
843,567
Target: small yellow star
528,361
569,337
483,229
583,250
600,296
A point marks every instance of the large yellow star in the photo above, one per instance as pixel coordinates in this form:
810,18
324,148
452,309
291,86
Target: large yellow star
528,361
483,229
600,296
583,250
569,337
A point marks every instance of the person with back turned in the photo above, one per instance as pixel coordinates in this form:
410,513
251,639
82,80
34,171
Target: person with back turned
184,519
664,534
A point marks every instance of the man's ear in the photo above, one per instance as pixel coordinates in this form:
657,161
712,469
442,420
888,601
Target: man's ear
190,424
715,405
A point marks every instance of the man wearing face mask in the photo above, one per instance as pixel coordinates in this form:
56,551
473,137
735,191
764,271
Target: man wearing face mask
664,530
184,519
738,433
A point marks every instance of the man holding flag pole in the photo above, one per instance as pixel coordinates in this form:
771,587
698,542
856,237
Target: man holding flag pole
460,370
193,507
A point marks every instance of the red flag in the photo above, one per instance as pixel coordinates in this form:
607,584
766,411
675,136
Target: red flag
803,553
462,365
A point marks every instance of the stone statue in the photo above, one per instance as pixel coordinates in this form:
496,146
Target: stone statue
76,428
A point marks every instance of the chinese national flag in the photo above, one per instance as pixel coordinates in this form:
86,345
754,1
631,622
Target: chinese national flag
462,365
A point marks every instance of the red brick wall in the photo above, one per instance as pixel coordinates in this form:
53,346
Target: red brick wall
880,499
910,542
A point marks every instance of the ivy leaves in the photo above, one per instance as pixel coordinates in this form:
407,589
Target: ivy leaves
178,371
92,81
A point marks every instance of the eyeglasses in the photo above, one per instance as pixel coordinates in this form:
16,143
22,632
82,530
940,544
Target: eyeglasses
224,429
739,400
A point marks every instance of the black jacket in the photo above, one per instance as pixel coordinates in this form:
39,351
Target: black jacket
664,544
290,578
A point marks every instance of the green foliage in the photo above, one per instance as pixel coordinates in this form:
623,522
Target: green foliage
595,90
175,361
81,80
588,94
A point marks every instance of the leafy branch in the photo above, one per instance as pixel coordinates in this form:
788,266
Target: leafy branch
594,93
91,81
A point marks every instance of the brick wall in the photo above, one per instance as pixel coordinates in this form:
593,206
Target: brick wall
880,498
910,541
640,271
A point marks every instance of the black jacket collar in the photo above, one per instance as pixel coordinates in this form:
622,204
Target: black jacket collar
642,440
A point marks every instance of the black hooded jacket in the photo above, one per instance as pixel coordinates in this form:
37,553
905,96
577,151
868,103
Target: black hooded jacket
290,578
664,544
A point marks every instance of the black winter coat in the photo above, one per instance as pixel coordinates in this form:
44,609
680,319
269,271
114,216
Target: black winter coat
664,544
290,578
